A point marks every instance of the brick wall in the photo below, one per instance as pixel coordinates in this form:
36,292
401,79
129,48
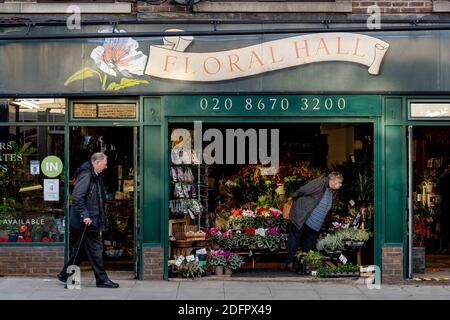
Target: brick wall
395,7
392,269
32,261
153,263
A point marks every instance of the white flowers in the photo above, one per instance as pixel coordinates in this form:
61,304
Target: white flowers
260,232
120,55
248,213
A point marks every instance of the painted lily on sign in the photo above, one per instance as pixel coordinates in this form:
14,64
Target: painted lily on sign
116,57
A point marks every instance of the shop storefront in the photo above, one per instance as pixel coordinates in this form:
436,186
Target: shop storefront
170,112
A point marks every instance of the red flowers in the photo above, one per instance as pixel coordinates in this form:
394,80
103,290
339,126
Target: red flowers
23,229
47,239
249,231
22,239
236,212
421,229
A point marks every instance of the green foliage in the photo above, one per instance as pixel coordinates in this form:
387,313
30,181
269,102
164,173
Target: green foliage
330,243
292,183
7,222
358,181
218,261
345,268
190,269
234,261
351,234
311,256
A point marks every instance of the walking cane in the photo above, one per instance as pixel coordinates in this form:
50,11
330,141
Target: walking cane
79,243
72,268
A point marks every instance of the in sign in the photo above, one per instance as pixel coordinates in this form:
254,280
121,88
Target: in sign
51,166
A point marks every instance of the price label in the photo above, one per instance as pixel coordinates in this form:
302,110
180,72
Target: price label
179,261
190,258
343,259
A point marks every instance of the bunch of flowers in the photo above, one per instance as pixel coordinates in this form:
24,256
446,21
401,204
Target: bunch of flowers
219,258
24,234
421,229
234,261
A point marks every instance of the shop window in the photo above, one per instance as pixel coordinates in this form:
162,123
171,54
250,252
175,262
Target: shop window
428,110
31,178
226,195
32,110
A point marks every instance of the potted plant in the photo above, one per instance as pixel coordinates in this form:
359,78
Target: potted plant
353,238
191,269
310,261
234,262
331,244
218,261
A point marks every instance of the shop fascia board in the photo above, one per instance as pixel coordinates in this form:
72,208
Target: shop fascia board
441,6
85,8
274,6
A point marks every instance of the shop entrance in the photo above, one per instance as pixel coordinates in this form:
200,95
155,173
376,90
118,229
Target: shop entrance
239,206
429,194
120,144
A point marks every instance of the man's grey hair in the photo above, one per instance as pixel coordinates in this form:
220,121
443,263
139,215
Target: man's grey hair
98,156
335,175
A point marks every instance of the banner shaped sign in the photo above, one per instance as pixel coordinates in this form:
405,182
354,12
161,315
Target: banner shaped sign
169,61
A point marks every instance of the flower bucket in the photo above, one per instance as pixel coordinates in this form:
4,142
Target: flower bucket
228,272
218,271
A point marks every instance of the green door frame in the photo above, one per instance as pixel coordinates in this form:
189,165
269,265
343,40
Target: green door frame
375,121
433,122
137,259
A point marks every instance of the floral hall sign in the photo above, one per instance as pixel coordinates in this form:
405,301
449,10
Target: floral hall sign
122,63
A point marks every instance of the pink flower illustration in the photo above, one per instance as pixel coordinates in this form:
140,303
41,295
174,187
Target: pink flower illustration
120,55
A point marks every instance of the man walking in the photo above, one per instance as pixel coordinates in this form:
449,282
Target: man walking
88,214
312,202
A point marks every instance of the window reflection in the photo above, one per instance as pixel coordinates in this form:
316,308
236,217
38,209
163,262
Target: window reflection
31,198
32,110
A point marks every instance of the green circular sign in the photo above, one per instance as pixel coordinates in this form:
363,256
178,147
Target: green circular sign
52,166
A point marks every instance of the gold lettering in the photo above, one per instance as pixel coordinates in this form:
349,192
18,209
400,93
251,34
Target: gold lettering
322,45
355,53
167,62
339,46
234,63
297,48
258,59
272,53
218,65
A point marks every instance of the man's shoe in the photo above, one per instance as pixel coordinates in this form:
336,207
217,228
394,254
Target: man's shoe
107,284
62,278
290,267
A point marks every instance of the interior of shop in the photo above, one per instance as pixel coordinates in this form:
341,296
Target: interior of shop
238,209
119,181
431,195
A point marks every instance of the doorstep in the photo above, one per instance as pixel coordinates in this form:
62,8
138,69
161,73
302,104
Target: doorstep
299,279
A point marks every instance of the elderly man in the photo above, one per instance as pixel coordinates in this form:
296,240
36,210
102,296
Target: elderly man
312,202
88,214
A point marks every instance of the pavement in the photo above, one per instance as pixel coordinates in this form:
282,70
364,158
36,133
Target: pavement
32,288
